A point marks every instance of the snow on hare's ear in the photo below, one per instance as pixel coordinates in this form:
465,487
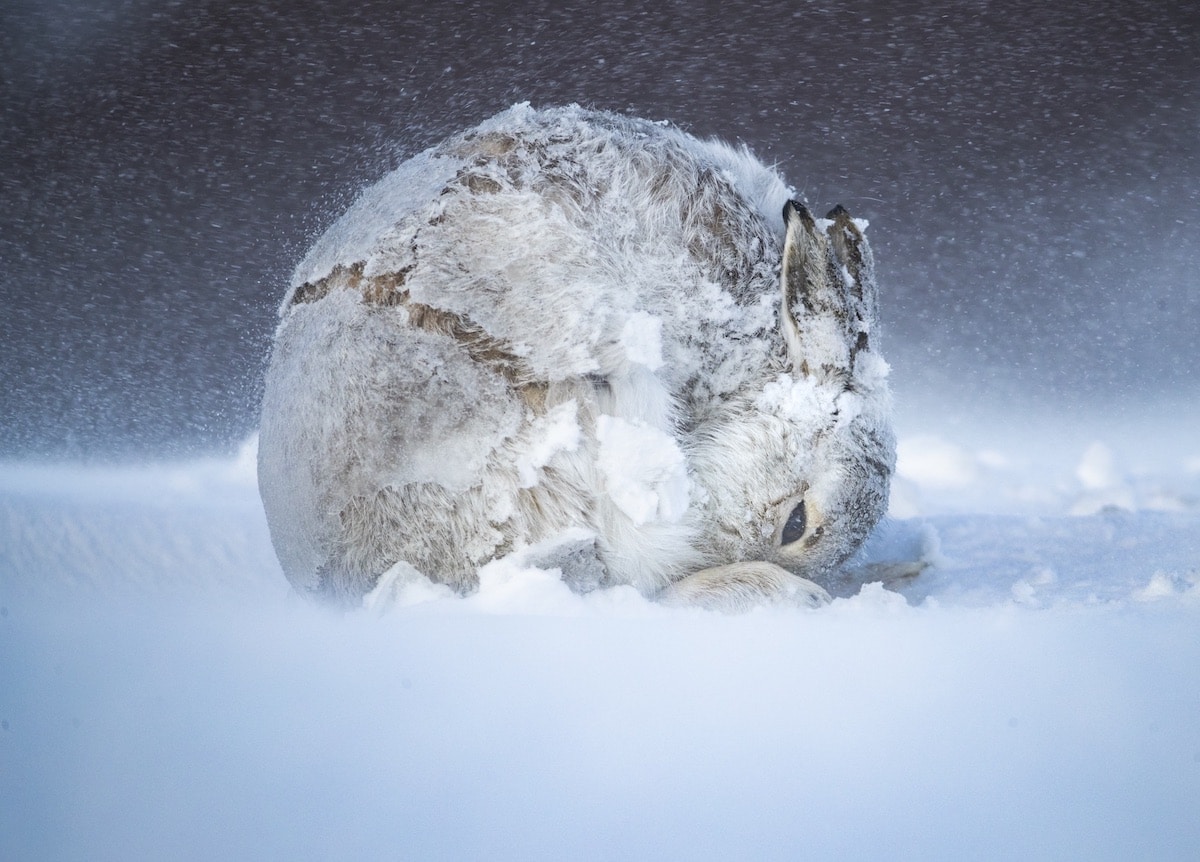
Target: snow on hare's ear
828,292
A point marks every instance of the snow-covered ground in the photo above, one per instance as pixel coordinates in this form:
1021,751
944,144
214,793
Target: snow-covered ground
1033,694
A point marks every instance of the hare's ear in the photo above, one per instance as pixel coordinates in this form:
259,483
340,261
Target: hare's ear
853,252
828,292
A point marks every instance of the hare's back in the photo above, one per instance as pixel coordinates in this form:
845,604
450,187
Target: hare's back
558,233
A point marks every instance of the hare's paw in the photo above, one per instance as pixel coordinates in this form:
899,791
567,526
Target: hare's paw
738,587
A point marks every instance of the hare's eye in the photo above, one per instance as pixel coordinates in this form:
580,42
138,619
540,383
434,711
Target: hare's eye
797,523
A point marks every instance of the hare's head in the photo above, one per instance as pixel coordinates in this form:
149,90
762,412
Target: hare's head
796,473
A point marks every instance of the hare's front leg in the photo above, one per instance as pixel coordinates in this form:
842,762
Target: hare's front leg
738,587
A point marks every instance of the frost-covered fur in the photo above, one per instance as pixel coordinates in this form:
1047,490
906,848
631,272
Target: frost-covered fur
563,324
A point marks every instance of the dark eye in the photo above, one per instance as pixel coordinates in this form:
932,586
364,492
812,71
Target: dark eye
797,523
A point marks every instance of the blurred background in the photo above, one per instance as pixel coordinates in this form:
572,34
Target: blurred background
1030,171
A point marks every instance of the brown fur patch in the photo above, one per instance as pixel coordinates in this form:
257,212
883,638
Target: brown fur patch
487,144
488,351
376,290
387,291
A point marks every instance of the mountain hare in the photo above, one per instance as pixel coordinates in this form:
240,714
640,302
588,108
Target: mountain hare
591,336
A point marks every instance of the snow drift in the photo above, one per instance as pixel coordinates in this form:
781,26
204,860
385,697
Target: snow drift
1033,694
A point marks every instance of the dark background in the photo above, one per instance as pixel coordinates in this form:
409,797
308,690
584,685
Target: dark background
1030,170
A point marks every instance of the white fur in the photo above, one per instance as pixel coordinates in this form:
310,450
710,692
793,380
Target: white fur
613,361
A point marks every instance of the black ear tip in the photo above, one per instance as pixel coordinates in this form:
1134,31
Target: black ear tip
838,210
795,207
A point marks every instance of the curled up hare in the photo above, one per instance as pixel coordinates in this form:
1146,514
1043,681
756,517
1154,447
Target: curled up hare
588,337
